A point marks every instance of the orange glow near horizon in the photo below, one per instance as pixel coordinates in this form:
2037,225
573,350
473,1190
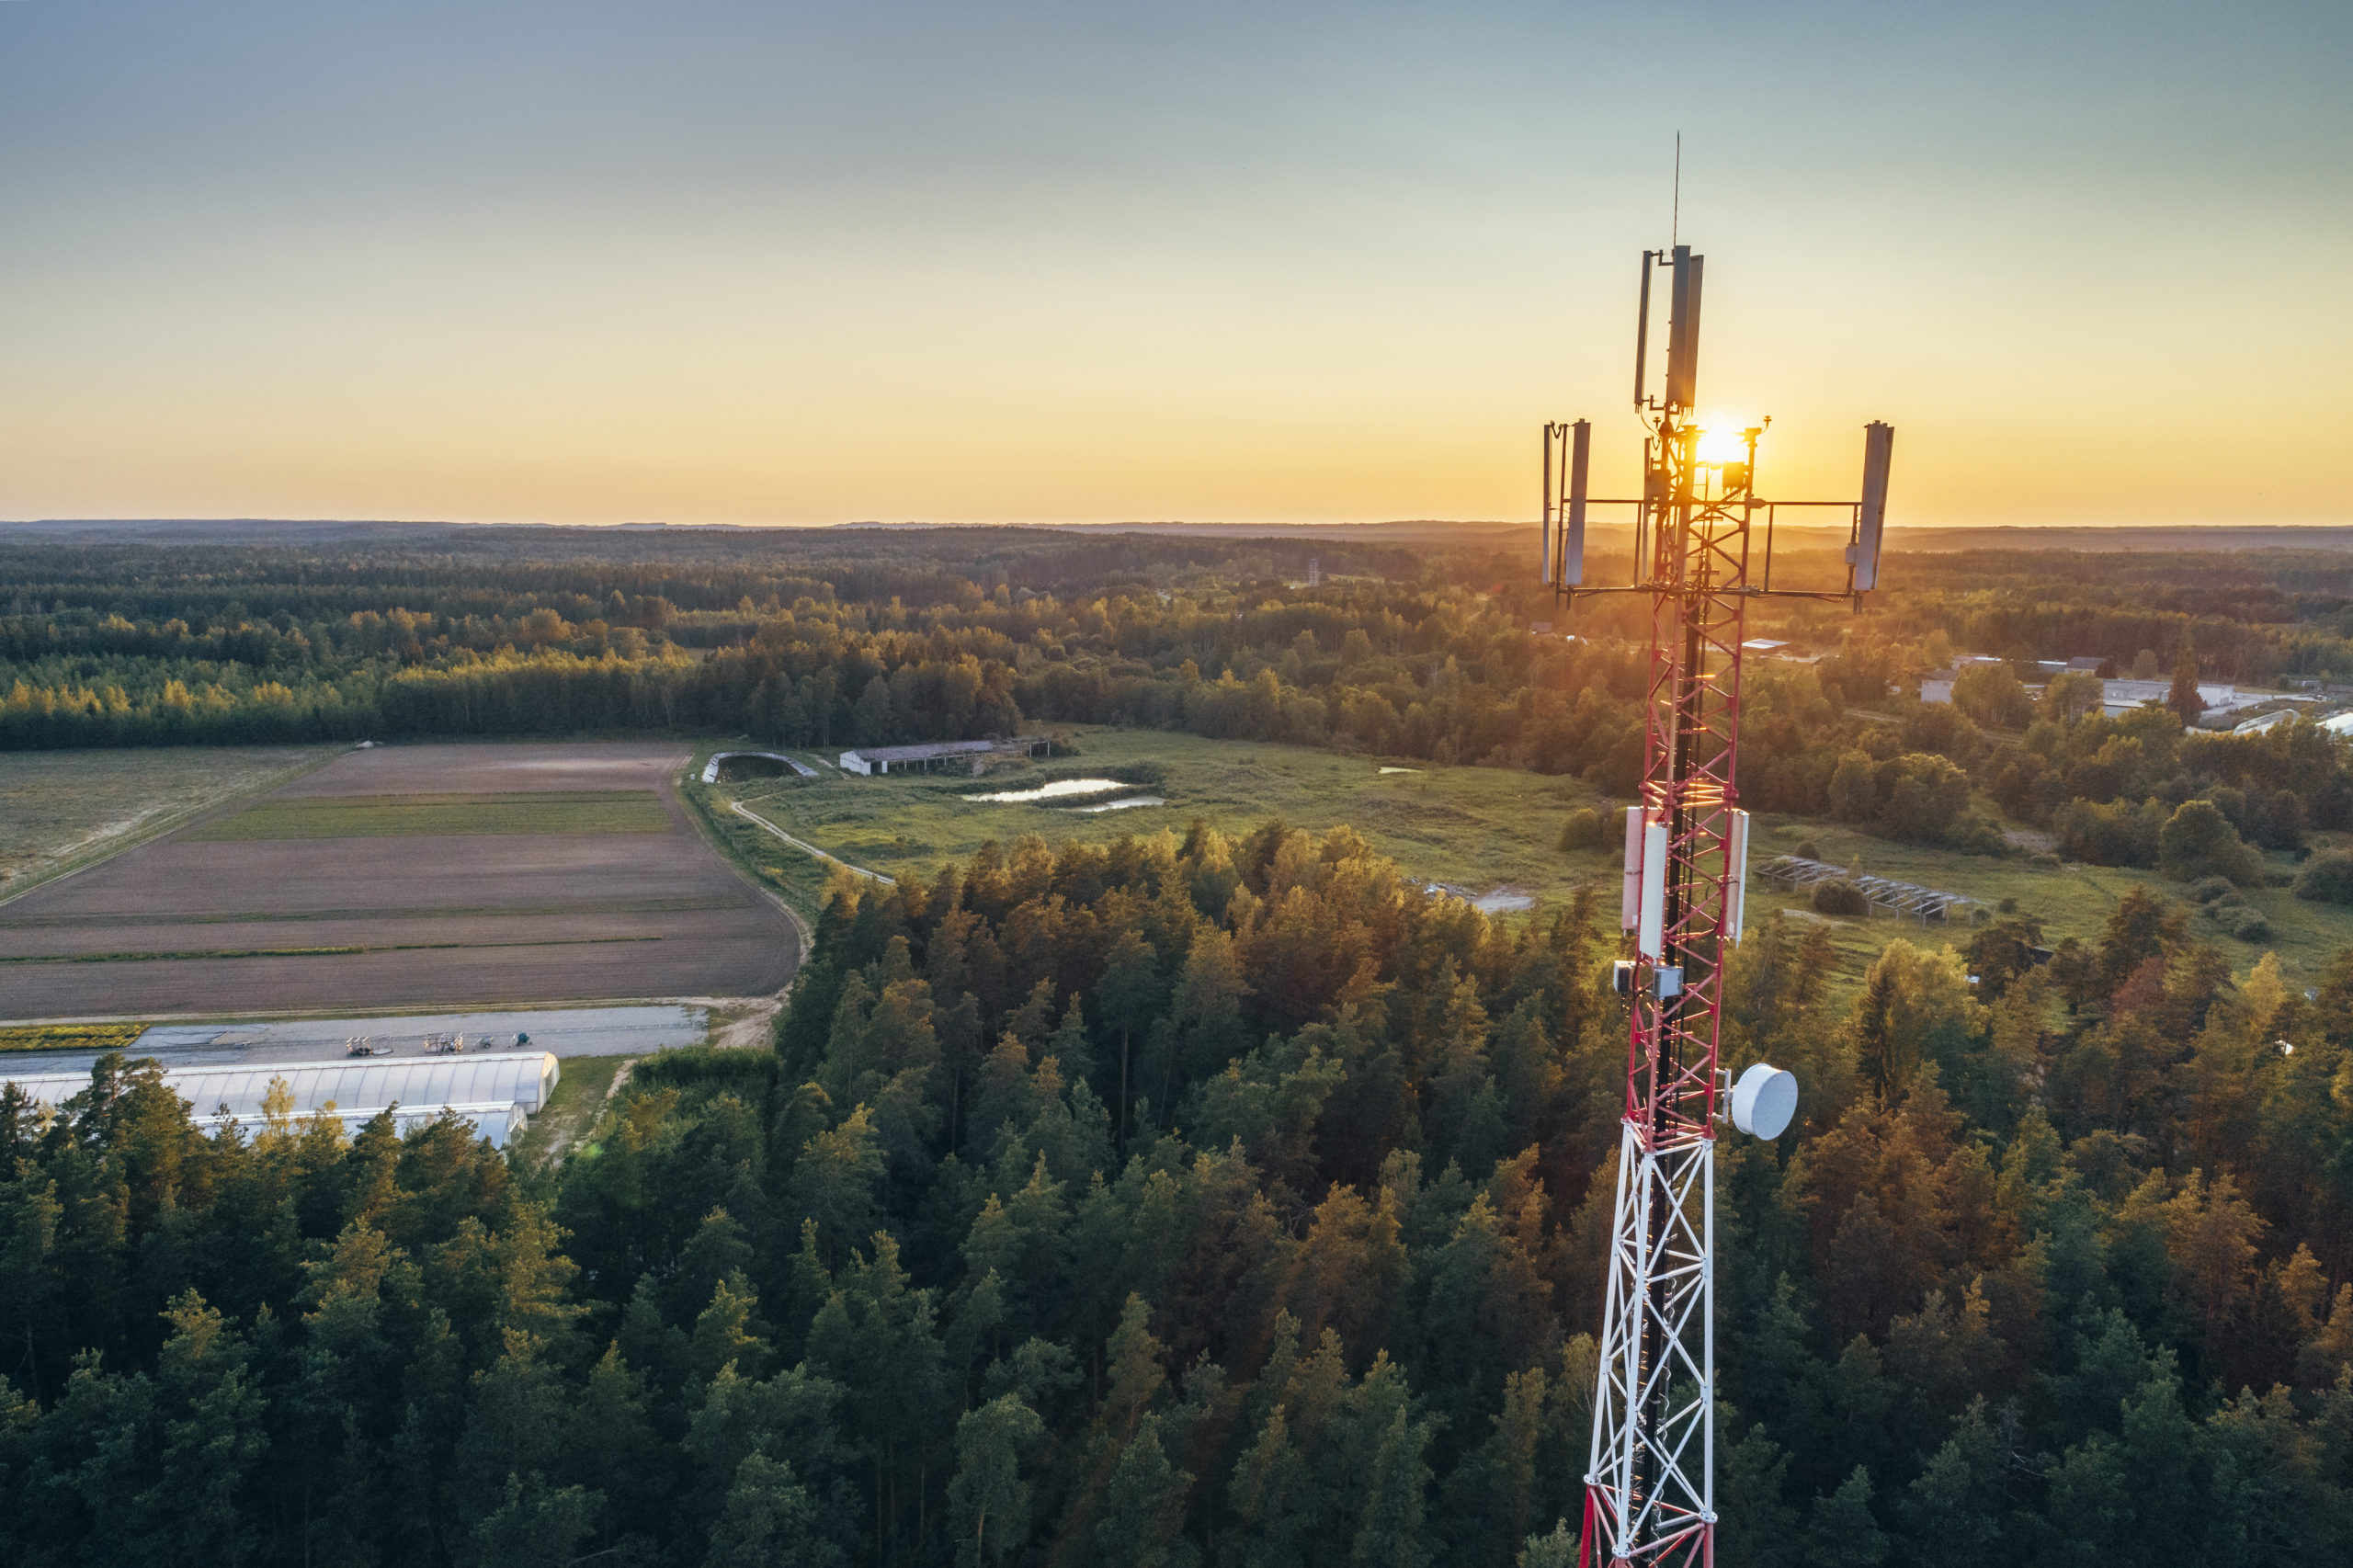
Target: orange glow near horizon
798,265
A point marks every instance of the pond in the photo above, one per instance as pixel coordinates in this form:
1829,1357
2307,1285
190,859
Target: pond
1059,789
1123,805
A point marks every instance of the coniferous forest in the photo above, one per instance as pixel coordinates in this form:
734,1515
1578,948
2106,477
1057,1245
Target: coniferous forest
2043,1275
1198,1201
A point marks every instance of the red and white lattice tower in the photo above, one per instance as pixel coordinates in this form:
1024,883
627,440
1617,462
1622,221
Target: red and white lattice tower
1650,1483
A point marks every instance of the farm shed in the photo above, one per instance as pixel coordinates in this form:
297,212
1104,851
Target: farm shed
870,760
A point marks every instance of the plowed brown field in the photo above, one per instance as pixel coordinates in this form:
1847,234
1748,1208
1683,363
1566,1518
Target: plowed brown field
255,910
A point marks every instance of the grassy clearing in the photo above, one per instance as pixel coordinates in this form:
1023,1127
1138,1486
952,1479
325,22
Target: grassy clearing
1475,828
2072,901
62,809
1471,827
398,816
571,1112
70,1037
799,879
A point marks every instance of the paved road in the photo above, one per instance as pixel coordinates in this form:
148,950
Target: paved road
567,1031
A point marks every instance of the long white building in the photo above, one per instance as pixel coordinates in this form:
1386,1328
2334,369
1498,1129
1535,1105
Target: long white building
498,1091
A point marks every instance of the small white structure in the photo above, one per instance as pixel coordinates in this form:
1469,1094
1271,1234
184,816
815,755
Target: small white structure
867,761
1780,650
1937,685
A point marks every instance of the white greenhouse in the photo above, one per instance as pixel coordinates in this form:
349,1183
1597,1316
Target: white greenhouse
497,1091
496,1123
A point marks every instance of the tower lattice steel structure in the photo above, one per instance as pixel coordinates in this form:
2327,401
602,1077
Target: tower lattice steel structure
1650,1486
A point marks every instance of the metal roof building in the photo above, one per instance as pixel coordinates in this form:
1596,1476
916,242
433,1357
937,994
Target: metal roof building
870,760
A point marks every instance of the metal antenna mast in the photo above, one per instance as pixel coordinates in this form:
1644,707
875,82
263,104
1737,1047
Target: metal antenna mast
1650,1485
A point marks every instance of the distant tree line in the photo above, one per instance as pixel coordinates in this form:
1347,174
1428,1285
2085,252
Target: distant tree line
857,637
288,645
2254,616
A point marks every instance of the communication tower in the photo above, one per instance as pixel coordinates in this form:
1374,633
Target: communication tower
1650,1485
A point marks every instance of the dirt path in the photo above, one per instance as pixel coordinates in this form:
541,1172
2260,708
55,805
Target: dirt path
741,1022
739,810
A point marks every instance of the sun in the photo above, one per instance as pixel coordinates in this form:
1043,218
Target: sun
1724,439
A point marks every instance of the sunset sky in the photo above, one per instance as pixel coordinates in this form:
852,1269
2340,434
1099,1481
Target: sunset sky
1276,262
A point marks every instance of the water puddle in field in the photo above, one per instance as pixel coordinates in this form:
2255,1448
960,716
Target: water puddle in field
1400,770
1123,805
1059,789
1502,901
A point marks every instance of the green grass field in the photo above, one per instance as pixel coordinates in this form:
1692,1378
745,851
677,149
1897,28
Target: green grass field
2072,901
571,1112
1478,829
60,810
399,817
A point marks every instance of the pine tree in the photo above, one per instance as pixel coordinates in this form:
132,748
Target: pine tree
534,1526
1269,1498
1390,1532
727,1332
1127,996
988,1501
214,1440
1143,1517
768,1521
1758,1528
2183,697
1841,1532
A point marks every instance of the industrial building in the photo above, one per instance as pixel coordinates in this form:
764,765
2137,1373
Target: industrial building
2119,696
